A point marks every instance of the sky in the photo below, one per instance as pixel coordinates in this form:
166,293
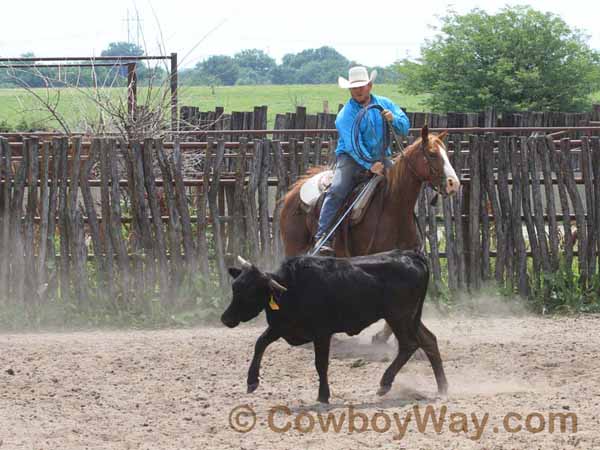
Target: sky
371,33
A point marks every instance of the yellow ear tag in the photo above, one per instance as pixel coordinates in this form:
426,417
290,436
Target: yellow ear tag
273,304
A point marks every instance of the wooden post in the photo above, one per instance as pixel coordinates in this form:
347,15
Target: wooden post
263,203
527,211
282,187
6,217
582,239
250,210
201,205
173,84
132,90
44,207
214,214
238,247
157,223
587,173
517,200
507,216
474,265
32,204
458,207
75,228
102,148
182,208
488,163
63,220
538,217
546,157
88,201
174,232
115,219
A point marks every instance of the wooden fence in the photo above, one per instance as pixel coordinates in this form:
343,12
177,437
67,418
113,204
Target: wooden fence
192,118
126,219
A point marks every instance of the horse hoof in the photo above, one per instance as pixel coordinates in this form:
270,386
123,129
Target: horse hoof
323,400
384,389
252,387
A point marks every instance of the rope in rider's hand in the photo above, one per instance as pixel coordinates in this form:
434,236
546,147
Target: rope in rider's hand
365,155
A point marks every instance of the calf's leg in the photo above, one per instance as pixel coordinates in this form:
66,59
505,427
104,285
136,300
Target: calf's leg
322,345
268,337
428,342
407,344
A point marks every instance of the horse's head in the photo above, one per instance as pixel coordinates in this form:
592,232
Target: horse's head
431,163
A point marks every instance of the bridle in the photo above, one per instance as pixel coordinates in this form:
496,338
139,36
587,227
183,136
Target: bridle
433,171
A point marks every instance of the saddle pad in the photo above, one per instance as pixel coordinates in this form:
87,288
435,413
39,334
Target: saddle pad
317,185
312,188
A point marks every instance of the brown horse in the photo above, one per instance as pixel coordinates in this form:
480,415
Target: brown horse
389,222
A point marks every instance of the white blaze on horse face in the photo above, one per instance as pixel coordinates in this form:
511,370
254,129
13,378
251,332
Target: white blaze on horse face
452,181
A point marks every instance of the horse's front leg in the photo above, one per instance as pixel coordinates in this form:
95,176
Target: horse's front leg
268,337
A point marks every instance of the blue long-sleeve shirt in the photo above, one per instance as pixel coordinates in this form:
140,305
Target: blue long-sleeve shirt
371,128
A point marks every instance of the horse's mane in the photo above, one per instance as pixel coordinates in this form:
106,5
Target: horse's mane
398,170
396,174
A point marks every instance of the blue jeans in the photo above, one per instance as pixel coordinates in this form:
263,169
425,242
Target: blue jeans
345,177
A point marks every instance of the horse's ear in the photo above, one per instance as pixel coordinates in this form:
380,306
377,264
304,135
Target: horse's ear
442,135
425,133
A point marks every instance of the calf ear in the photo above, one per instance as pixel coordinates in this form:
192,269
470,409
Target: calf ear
234,272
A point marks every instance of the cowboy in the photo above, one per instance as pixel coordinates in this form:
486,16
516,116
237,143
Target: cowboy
359,144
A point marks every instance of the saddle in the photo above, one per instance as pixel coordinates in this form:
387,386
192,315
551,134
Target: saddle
313,192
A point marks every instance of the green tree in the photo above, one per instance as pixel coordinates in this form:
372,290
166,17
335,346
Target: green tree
256,67
312,66
516,59
122,48
218,69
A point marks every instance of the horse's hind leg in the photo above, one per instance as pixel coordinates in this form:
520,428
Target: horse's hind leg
407,344
295,234
428,342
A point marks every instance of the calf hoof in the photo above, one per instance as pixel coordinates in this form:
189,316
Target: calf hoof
384,389
252,387
323,399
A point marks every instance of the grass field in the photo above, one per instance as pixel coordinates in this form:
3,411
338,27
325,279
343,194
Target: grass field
19,108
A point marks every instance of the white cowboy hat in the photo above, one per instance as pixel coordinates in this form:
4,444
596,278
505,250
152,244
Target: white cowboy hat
357,77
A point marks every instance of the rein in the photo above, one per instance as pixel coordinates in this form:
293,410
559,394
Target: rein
432,170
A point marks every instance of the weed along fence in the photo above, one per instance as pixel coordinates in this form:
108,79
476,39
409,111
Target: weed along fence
87,218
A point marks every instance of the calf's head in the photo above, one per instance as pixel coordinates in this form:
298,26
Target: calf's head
251,292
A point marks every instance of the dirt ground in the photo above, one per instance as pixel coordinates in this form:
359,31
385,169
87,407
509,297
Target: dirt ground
176,389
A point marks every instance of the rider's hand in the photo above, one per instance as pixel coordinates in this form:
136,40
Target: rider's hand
387,115
377,168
